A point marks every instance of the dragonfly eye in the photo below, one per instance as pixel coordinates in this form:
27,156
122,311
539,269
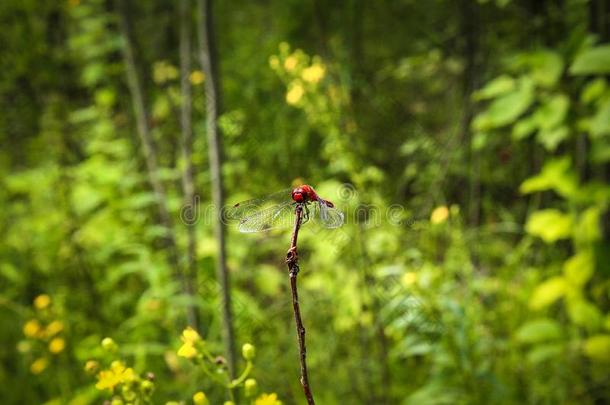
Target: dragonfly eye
297,195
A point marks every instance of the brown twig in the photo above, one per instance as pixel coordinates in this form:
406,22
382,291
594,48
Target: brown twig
292,260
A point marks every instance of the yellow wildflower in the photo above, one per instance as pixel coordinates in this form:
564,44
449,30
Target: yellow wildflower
409,278
54,328
31,328
439,215
190,335
42,301
295,93
290,63
57,345
197,77
314,73
200,399
187,350
268,399
39,365
189,338
115,375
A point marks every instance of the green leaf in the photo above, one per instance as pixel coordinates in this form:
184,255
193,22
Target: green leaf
592,61
556,175
524,127
550,225
538,330
584,313
593,91
479,140
600,151
600,122
579,268
587,229
498,86
547,293
543,66
506,109
598,348
547,67
544,352
551,138
552,112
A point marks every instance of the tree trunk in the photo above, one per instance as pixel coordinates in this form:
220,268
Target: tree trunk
469,21
188,182
148,146
208,56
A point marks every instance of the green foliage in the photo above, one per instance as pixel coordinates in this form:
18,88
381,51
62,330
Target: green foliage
471,163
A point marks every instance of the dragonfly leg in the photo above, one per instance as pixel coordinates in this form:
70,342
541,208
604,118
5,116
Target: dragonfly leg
305,213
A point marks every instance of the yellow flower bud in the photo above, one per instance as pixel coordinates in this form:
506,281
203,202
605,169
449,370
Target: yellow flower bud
294,95
200,399
24,346
91,367
248,351
250,387
197,77
42,301
32,328
128,393
109,345
39,365
57,345
274,62
409,278
314,73
147,387
290,63
54,328
439,215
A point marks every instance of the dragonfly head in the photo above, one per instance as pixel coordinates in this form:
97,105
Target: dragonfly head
304,193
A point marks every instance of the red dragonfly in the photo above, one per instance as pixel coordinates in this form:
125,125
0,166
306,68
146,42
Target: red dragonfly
276,211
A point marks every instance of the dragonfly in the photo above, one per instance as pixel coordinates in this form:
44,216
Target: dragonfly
276,211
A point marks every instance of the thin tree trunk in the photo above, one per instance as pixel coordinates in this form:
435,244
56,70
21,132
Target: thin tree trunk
469,16
188,182
146,139
208,55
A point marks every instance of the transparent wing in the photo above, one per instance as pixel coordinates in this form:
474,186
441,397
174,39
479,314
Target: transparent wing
279,216
247,208
329,217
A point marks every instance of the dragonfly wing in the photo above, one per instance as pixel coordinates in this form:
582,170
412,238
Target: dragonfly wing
274,217
247,208
330,217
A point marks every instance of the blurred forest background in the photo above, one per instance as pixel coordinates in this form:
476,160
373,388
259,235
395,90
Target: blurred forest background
482,126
